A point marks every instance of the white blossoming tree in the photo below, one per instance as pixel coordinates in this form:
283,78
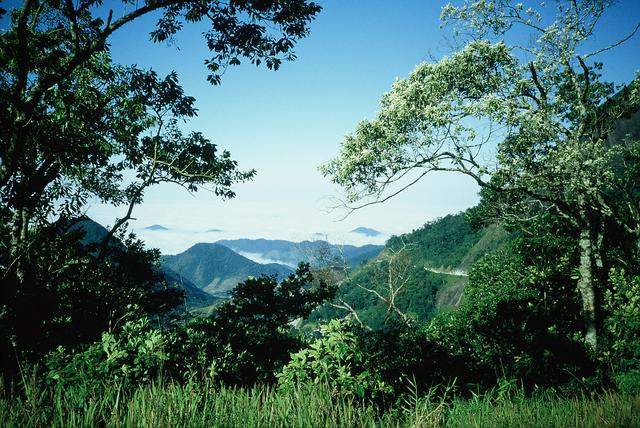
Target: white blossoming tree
541,106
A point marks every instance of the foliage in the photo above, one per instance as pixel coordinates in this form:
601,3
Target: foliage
544,106
334,359
514,408
249,337
443,242
404,358
77,127
132,356
245,341
201,404
69,296
401,272
519,318
74,121
622,303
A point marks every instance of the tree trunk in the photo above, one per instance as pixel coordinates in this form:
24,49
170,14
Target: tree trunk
19,237
585,286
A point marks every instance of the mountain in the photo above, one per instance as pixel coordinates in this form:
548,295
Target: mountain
194,297
358,255
157,227
217,269
366,231
95,232
291,253
430,265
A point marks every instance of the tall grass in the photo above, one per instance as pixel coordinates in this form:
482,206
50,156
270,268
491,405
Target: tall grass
606,410
190,405
198,405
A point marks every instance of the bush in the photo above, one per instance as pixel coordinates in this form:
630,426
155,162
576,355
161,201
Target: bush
247,340
403,356
519,320
622,326
134,355
336,360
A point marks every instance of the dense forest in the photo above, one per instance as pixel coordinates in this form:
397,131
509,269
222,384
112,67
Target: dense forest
521,311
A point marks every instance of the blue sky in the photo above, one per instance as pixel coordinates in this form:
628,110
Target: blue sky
285,123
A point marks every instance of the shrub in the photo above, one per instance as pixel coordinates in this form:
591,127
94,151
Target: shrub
519,320
336,360
134,355
622,326
249,338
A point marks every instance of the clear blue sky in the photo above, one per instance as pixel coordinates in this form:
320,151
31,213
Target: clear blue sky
285,123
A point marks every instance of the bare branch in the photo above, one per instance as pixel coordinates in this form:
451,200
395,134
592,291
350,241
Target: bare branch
352,312
536,81
618,43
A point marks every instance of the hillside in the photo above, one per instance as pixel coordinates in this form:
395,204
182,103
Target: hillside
292,253
217,269
94,232
194,297
428,266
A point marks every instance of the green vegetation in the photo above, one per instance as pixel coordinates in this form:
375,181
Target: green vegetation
197,404
546,108
77,127
424,271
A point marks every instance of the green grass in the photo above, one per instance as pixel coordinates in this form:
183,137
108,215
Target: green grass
191,405
199,405
606,410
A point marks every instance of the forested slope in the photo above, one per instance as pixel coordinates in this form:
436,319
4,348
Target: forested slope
417,273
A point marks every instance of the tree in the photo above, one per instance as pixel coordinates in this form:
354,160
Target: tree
73,121
249,337
393,266
544,107
75,126
520,317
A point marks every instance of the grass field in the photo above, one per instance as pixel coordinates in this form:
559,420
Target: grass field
199,405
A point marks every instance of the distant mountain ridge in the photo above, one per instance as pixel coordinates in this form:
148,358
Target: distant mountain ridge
292,253
194,297
216,269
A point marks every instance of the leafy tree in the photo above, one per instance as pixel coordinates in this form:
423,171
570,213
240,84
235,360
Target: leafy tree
543,104
77,126
519,318
73,121
71,298
246,340
250,337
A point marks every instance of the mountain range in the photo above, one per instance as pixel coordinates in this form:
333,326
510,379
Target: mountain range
93,233
216,269
209,271
292,253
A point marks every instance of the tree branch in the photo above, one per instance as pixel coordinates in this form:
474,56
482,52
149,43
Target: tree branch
618,43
